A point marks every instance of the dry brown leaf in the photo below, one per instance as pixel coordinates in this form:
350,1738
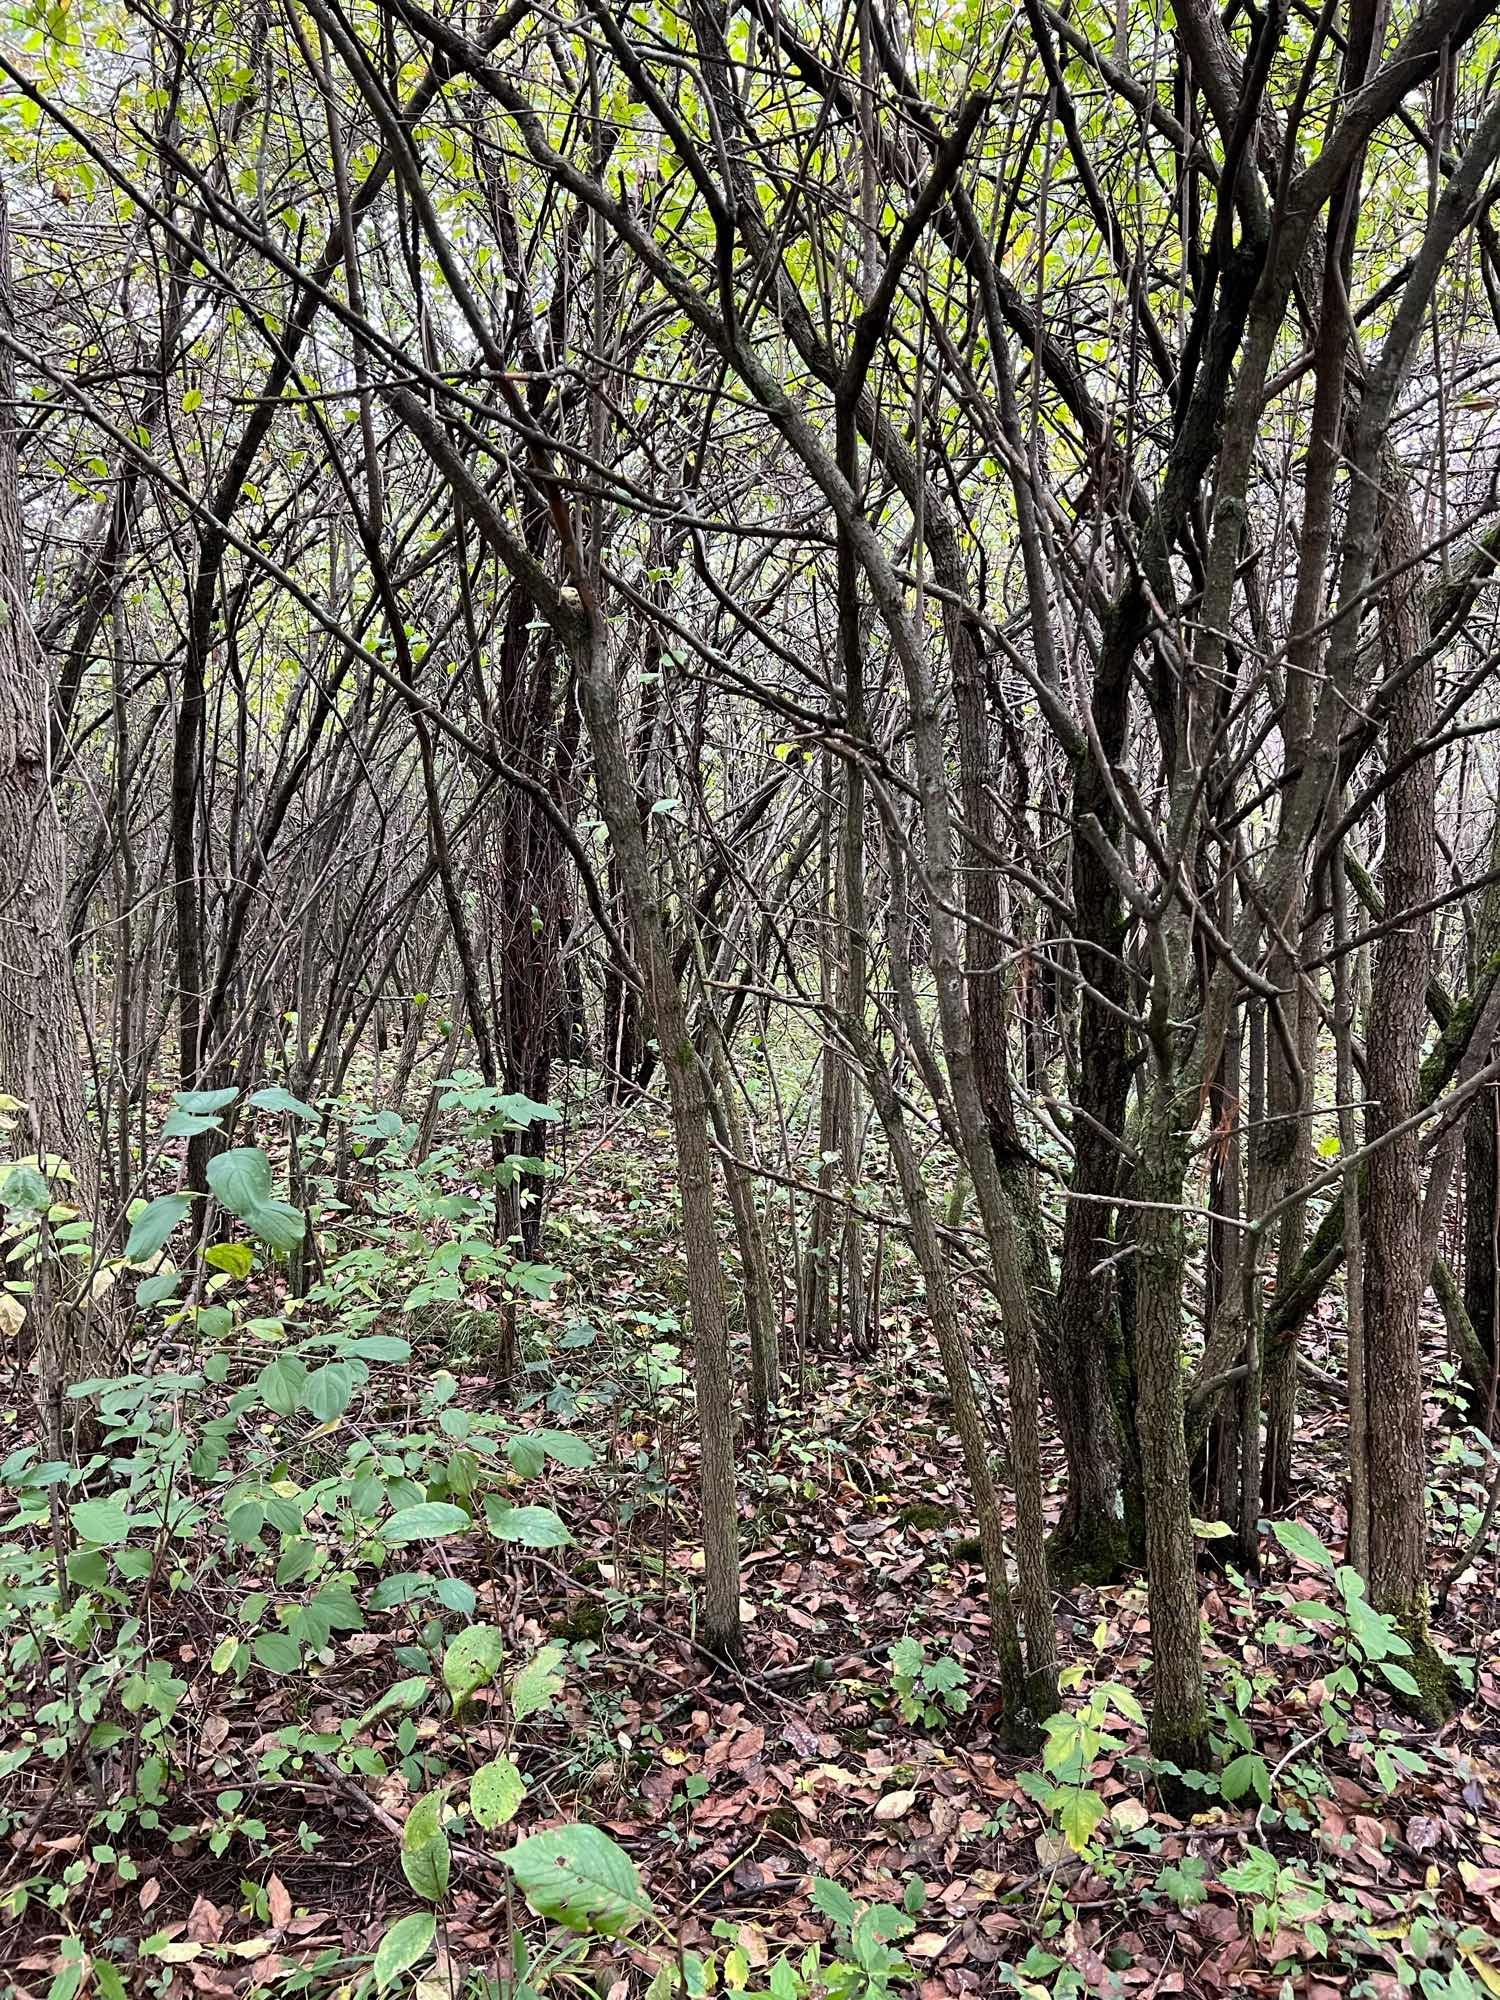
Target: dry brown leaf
895,1805
278,1902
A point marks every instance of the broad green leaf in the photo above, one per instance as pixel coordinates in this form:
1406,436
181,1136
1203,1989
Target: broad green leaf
403,1945
425,1855
154,1225
1246,1773
1078,1817
188,1124
282,1101
472,1661
280,1384
1399,1678
204,1103
495,1791
1299,1541
578,1877
238,1259
100,1521
531,1527
428,1521
327,1392
278,1652
277,1223
833,1901
528,1451
537,1682
396,1700
241,1179
379,1347
24,1188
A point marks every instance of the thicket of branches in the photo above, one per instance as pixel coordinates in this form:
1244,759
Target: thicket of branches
948,548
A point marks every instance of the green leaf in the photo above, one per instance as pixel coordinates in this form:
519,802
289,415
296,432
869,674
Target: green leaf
1300,1542
277,1223
404,1695
327,1392
472,1661
834,1902
1399,1678
24,1188
154,1290
1078,1816
428,1521
241,1179
532,1527
379,1347
578,1877
238,1259
102,1521
109,1981
407,1941
537,1682
188,1124
203,1103
154,1225
1246,1773
278,1652
425,1855
528,1451
282,1101
495,1791
280,1384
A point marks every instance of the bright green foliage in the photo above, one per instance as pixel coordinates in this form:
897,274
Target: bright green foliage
578,1877
426,1857
930,1690
472,1661
496,1791
406,1942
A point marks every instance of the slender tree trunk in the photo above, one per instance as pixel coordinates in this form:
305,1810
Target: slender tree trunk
1394,1280
40,1064
1179,1718
689,1110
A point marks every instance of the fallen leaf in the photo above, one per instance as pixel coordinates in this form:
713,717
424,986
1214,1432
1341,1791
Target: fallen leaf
278,1902
895,1805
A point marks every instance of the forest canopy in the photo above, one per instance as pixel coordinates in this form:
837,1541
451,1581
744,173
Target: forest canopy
749,998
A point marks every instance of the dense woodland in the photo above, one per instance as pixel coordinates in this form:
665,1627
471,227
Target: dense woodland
749,998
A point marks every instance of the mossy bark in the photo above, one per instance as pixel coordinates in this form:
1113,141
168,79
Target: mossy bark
1436,1698
1179,1717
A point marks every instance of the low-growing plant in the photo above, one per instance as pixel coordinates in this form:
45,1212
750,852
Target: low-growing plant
932,1689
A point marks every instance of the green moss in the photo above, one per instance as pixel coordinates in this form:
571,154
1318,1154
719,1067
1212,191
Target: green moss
1093,1550
1437,1690
967,1549
924,1516
787,1822
585,1618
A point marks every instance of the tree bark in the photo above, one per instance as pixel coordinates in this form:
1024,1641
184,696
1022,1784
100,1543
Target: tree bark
1394,1277
40,1063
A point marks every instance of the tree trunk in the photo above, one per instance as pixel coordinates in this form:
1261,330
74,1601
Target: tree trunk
1179,1720
713,1378
40,1064
1394,1279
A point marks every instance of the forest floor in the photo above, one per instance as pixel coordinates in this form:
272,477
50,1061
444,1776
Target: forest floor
1359,1856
